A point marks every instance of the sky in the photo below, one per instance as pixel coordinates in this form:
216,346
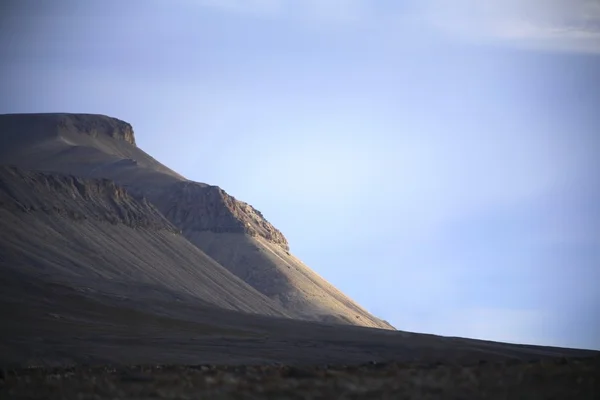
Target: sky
436,160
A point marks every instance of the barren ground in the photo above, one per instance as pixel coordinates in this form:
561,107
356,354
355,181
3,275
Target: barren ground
551,379
60,342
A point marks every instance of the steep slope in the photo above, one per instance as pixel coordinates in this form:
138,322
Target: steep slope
238,237
228,230
94,236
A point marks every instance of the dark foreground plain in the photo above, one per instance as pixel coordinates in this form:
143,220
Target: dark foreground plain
549,379
57,341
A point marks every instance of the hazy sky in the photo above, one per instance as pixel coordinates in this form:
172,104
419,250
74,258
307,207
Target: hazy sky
437,160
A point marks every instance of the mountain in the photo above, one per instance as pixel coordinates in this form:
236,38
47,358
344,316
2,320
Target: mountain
184,230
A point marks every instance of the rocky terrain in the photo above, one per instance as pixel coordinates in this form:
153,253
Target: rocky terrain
549,379
230,231
196,207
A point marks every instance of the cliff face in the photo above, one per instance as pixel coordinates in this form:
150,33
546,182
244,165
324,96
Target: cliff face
97,125
23,128
195,207
77,199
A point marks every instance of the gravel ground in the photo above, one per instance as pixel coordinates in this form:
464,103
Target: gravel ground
549,379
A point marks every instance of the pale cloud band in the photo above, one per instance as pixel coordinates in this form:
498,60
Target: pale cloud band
570,25
566,25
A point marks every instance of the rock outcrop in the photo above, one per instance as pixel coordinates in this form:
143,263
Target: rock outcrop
99,125
22,127
196,207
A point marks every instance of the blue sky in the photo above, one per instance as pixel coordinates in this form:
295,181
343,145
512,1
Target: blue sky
435,160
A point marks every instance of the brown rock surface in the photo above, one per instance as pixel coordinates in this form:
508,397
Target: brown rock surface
196,207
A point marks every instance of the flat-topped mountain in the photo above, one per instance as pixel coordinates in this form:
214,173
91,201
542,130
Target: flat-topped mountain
25,127
227,231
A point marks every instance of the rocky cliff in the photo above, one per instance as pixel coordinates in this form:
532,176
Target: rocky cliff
196,207
97,126
25,127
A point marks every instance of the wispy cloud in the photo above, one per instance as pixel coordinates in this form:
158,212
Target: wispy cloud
314,10
567,25
264,8
553,24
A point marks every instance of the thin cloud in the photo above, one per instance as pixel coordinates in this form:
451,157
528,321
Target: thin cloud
314,10
568,25
262,8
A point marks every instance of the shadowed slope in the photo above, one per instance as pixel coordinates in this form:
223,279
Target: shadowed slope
91,234
92,327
